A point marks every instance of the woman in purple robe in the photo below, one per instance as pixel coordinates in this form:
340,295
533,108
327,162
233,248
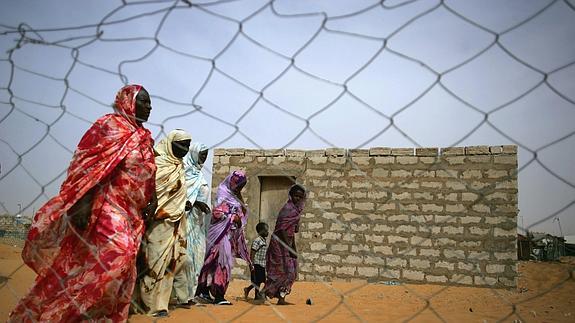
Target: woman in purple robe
281,257
225,240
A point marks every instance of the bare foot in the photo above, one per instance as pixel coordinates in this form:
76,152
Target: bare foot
246,293
259,301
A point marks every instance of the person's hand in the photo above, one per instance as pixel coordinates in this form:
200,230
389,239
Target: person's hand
202,207
80,218
150,210
293,251
237,220
188,206
79,214
252,268
201,220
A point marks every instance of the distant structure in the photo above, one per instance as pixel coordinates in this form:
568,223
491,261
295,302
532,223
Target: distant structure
14,229
542,246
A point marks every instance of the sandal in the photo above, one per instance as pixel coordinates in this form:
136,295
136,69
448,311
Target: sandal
183,305
162,313
224,302
204,299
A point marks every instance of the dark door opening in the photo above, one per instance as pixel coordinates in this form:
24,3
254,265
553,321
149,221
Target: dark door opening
273,196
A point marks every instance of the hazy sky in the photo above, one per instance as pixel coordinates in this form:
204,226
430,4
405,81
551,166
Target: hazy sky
302,74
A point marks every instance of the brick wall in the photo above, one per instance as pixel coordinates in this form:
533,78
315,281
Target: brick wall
416,215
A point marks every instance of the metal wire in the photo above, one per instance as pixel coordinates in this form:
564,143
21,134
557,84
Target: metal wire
24,35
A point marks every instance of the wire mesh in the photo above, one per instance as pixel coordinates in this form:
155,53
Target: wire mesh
388,39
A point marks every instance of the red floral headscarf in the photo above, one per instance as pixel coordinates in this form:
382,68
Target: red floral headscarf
100,151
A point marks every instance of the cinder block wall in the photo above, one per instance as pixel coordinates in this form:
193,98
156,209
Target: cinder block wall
423,215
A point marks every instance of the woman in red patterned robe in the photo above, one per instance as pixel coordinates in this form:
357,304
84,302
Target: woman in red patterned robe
83,242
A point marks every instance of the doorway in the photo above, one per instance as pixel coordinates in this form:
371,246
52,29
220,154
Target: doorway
273,196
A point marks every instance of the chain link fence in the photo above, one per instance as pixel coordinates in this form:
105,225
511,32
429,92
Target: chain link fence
383,73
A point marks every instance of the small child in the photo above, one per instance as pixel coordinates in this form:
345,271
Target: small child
258,256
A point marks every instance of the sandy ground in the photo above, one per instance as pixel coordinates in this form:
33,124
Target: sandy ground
545,294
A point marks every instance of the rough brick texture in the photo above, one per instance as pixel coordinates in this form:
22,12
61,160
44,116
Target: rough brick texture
444,216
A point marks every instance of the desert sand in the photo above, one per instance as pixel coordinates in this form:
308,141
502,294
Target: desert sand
545,294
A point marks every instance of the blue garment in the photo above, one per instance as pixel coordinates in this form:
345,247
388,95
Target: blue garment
197,224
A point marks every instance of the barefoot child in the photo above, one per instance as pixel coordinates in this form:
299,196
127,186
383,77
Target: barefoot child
258,257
